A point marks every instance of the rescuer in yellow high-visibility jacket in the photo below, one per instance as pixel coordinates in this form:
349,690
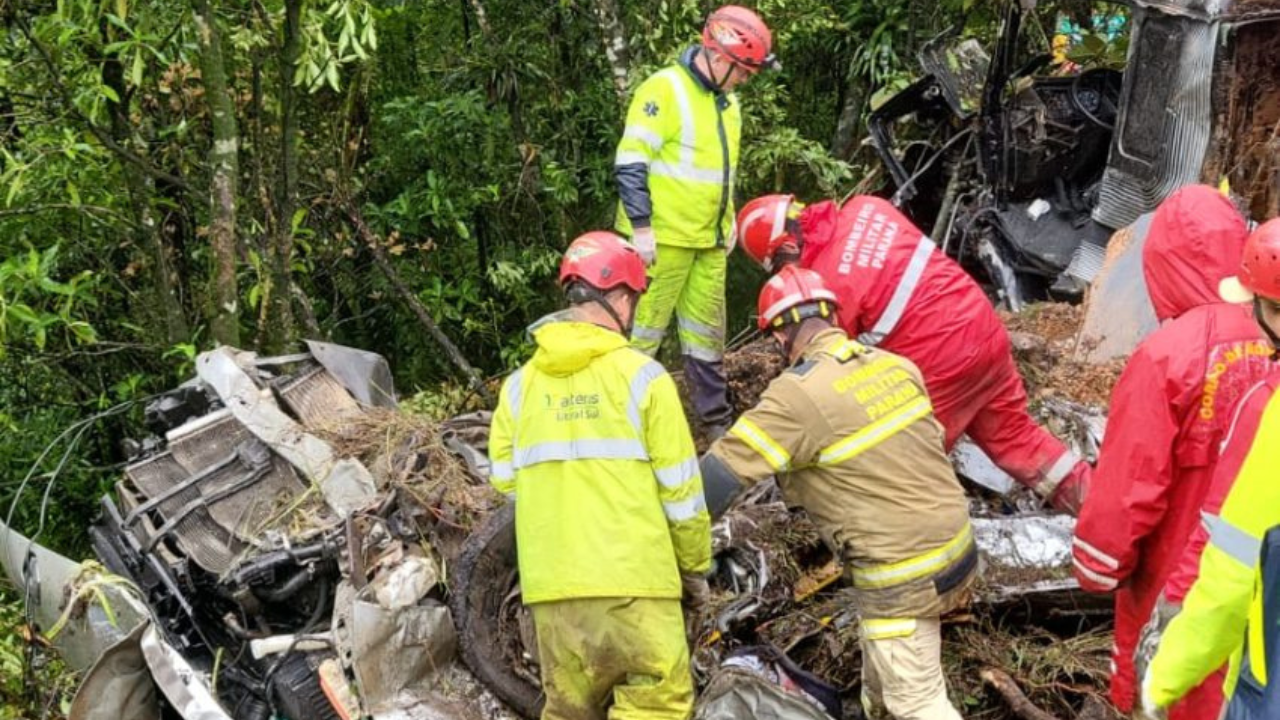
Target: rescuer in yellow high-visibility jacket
674,169
589,439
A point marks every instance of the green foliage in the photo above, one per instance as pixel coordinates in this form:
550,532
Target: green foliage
43,690
475,149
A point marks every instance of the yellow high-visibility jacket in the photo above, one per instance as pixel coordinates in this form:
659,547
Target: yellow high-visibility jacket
683,139
590,439
1216,612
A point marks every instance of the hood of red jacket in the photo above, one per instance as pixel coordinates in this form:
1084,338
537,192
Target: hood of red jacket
817,226
1195,240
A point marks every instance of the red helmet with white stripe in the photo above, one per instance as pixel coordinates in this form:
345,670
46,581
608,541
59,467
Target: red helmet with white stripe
740,36
793,295
762,227
603,260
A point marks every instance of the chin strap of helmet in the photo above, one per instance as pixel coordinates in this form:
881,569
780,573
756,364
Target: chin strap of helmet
1266,329
717,81
580,293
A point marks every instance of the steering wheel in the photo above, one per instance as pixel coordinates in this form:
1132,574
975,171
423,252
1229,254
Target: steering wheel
1106,83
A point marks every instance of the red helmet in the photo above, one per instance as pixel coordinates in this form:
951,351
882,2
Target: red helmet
741,36
1259,268
762,227
603,260
783,297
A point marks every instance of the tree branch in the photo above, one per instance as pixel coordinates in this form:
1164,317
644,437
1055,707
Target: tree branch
380,258
94,129
90,210
1013,695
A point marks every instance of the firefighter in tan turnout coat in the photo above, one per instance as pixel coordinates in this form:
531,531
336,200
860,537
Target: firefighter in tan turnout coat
849,432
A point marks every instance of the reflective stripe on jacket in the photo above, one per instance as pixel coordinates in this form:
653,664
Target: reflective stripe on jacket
899,292
685,138
850,434
590,439
1211,627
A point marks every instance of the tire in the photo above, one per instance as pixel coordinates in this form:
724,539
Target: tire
484,577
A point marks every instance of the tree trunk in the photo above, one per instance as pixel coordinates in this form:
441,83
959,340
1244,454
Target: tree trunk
166,282
849,122
615,44
275,328
482,17
224,166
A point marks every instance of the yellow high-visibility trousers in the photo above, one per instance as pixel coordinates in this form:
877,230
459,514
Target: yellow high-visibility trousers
614,659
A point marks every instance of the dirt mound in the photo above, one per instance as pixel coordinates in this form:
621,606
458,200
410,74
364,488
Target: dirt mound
1047,348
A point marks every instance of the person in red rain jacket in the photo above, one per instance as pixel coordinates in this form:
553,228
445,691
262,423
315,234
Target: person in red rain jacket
899,292
1169,413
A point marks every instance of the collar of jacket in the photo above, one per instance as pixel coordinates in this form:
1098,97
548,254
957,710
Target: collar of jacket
567,346
824,342
686,62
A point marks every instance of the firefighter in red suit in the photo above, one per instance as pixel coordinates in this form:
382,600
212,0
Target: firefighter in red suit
1170,412
898,292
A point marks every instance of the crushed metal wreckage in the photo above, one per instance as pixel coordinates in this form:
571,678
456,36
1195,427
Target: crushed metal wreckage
291,545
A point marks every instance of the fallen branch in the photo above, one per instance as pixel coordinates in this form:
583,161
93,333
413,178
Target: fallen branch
380,258
1013,695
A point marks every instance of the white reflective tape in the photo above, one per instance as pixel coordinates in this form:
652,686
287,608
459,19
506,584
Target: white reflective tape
1096,554
892,314
644,377
710,333
644,135
681,510
1057,472
602,449
677,475
703,354
647,334
631,157
501,470
686,171
1102,581
1236,543
875,433
779,221
514,390
688,131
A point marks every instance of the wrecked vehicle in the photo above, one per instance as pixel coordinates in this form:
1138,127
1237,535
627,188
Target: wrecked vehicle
1022,170
275,550
287,544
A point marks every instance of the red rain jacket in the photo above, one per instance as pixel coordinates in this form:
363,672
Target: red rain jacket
1169,413
899,292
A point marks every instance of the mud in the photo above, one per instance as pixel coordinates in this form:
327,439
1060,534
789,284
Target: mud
1049,353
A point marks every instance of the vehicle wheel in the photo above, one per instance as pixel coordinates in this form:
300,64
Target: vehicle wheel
484,597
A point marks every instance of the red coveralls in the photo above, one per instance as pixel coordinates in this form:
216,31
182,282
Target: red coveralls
1169,414
899,292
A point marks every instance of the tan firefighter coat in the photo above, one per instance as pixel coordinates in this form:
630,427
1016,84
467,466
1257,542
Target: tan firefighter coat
850,435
